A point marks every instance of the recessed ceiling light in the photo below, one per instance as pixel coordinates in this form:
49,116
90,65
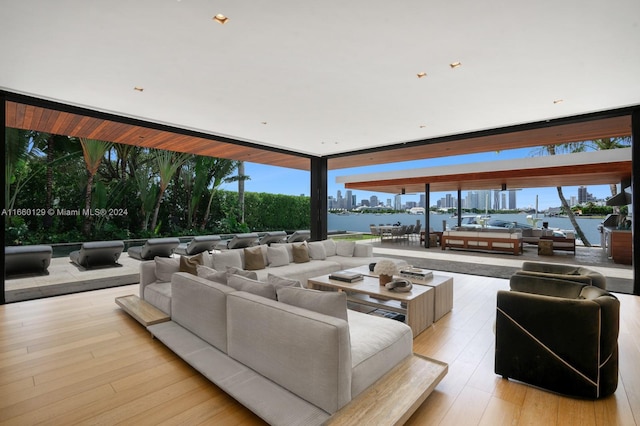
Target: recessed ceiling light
263,122
220,18
421,74
558,101
138,89
455,64
422,126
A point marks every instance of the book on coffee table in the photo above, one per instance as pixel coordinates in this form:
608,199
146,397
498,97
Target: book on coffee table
416,274
346,276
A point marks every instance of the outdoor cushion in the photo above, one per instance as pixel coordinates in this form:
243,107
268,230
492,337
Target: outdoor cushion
97,253
299,236
163,247
273,237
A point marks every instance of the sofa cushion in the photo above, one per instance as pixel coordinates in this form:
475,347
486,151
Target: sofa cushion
317,250
165,267
329,247
260,288
324,302
288,247
159,295
190,263
345,248
232,270
363,250
253,258
227,258
211,274
278,256
278,282
300,253
375,353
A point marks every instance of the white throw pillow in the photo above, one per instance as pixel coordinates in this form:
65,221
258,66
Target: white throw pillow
324,302
329,247
363,250
345,248
227,258
317,250
252,286
165,267
278,282
278,256
211,274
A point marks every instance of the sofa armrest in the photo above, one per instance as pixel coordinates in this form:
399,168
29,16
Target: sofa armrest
536,283
147,274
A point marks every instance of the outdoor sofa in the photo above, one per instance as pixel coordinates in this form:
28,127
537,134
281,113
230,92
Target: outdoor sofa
301,354
507,240
97,253
27,259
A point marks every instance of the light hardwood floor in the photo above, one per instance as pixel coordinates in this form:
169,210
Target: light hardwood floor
79,359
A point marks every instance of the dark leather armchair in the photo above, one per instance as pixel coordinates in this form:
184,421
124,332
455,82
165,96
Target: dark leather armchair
559,335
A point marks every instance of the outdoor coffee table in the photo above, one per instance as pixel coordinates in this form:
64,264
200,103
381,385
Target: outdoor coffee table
416,305
442,286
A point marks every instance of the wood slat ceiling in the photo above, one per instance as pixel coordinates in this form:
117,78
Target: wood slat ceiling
31,117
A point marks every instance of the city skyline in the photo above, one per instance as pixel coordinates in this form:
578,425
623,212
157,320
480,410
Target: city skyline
279,180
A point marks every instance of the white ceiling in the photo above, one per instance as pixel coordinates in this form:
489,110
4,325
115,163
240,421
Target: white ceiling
326,77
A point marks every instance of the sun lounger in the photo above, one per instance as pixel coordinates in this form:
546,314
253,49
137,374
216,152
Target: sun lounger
162,247
97,253
299,236
239,241
273,237
198,245
27,259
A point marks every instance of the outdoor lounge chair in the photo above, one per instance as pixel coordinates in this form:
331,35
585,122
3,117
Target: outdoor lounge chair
198,244
273,237
27,259
162,247
97,253
239,241
299,236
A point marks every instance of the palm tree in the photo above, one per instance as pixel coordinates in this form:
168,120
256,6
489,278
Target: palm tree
167,163
241,179
220,171
610,143
93,151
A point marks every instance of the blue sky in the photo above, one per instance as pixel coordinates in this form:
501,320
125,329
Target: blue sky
281,180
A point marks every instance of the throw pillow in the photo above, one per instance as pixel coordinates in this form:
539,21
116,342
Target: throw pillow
165,267
278,282
278,256
211,274
345,248
317,250
190,263
253,259
288,247
325,302
232,270
227,258
300,253
252,286
329,247
363,250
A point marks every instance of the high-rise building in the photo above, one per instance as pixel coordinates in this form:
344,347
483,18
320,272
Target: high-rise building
374,201
349,200
397,202
512,199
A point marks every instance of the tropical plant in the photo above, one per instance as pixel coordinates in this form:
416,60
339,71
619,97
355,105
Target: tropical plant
167,164
93,151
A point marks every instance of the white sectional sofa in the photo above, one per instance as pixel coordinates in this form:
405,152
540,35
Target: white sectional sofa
292,361
324,257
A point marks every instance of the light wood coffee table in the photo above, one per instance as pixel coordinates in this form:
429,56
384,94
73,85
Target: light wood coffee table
416,305
442,286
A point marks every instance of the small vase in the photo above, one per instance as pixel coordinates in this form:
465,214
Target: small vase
385,279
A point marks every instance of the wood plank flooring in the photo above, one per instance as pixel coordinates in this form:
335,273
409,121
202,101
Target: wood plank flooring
79,359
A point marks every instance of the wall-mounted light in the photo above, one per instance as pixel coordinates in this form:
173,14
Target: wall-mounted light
504,186
220,18
403,191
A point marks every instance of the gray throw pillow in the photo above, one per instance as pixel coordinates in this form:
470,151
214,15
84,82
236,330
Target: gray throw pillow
165,267
345,248
331,303
259,288
278,256
278,282
317,250
211,274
